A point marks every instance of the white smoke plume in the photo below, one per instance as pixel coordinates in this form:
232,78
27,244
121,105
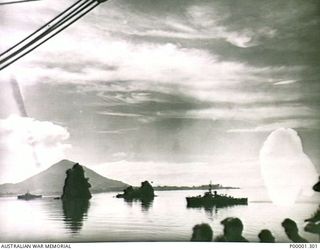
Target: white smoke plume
287,171
19,137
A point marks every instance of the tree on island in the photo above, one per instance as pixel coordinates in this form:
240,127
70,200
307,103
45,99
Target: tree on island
76,186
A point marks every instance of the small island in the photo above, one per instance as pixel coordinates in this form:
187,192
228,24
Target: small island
76,186
75,197
144,192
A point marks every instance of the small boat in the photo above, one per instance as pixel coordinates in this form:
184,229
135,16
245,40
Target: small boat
214,199
28,196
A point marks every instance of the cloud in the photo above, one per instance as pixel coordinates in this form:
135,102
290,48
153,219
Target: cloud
203,21
162,62
284,82
118,114
299,116
119,155
186,173
153,63
100,54
287,171
117,131
306,123
207,18
23,137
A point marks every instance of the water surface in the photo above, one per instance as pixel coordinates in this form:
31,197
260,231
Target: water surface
167,218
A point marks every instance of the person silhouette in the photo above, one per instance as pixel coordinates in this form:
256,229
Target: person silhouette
313,226
202,232
232,231
266,236
313,223
316,187
292,231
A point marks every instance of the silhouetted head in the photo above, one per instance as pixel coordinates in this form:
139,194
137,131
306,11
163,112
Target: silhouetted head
233,227
202,232
316,186
266,236
312,227
290,227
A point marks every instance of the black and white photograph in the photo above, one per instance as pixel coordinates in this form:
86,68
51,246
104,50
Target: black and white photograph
160,121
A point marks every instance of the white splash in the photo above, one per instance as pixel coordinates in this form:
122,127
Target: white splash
287,171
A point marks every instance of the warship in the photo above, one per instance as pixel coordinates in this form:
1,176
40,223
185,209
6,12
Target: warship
213,199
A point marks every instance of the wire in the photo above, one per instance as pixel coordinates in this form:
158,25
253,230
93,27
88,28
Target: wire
22,1
46,32
72,14
42,27
61,29
57,26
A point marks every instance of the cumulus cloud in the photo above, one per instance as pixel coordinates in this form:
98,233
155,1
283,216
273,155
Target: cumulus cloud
287,171
22,139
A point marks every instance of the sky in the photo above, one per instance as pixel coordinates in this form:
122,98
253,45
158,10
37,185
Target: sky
181,92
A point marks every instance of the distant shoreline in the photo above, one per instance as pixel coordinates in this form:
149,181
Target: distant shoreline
202,187
156,188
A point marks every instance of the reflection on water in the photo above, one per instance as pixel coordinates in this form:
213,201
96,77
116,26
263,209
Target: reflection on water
211,211
74,212
213,207
166,218
145,203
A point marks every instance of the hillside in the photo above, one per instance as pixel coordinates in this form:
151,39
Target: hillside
51,181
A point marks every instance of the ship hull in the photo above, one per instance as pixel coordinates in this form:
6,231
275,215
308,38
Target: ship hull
215,201
29,197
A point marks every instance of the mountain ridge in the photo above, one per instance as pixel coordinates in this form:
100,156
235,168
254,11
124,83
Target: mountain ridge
51,181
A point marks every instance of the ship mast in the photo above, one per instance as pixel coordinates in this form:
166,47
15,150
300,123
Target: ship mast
210,187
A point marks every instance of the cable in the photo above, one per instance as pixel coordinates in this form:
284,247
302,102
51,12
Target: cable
14,2
30,50
72,14
78,10
42,27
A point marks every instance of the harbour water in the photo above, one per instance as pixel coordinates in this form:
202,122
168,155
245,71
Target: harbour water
167,218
